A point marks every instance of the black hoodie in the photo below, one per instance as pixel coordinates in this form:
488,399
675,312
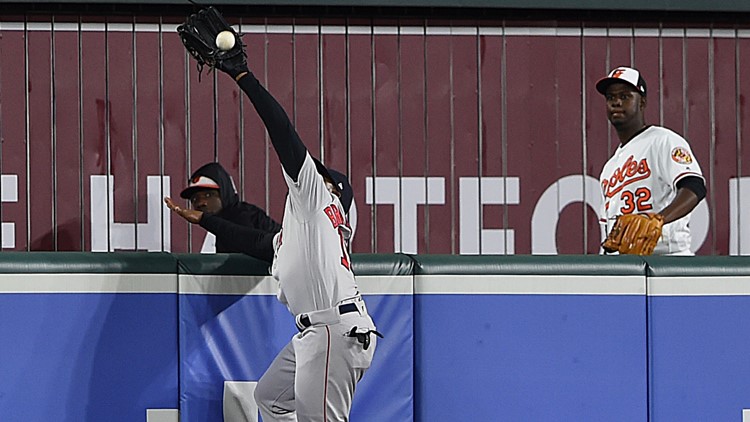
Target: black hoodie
239,226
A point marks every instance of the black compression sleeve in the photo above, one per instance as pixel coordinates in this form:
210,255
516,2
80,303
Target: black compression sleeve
284,137
694,184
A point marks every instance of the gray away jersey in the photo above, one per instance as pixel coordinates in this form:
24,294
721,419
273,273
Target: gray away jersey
311,261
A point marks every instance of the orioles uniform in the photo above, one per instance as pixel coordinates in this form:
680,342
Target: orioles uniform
313,377
642,176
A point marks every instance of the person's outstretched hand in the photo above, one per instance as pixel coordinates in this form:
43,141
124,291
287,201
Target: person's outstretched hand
192,216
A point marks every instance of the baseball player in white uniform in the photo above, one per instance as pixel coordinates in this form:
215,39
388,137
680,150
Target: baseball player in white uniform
652,171
313,378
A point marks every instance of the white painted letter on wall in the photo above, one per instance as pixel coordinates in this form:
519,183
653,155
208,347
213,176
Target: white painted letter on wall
566,191
493,190
739,227
9,186
106,235
405,193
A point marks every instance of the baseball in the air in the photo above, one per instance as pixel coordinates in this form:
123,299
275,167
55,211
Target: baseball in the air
225,40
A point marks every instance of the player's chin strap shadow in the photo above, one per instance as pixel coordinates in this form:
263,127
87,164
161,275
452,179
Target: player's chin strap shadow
363,336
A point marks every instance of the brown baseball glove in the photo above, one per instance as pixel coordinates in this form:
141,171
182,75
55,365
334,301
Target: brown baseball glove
634,234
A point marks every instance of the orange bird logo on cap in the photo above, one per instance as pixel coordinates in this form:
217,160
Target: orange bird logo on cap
617,73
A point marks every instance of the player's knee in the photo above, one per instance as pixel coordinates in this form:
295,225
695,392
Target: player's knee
266,398
261,396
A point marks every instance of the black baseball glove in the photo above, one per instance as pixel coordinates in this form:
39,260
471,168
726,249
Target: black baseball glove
199,33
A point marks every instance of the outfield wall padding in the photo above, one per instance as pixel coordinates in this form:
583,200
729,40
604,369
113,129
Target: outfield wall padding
164,337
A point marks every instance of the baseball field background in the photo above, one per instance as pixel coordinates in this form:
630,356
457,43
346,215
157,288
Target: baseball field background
478,134
473,137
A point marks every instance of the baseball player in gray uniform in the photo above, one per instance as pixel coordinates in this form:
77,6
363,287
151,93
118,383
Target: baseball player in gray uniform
313,378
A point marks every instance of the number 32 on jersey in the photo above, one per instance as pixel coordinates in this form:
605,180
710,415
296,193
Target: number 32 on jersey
636,201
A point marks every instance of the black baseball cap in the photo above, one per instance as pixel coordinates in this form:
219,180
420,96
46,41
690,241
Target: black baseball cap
341,182
622,74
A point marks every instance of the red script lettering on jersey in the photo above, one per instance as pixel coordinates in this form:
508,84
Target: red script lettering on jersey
631,171
333,213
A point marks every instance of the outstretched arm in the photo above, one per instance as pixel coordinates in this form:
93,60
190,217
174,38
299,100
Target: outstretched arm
284,137
198,34
238,238
256,241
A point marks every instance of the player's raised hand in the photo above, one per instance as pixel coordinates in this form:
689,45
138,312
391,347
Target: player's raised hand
212,41
192,216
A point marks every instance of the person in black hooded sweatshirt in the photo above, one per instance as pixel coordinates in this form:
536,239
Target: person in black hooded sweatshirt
237,225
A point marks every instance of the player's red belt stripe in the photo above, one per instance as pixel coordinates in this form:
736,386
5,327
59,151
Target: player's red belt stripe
325,389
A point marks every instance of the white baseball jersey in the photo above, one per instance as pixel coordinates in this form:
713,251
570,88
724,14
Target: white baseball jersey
311,259
641,177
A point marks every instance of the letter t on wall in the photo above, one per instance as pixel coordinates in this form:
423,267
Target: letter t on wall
405,194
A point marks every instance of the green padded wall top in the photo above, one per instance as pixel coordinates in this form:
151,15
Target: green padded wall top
530,264
88,262
704,266
377,264
237,264
221,264
382,264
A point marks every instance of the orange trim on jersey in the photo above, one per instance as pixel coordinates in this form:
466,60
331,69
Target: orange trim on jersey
686,174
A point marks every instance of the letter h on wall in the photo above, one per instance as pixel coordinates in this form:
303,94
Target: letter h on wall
106,235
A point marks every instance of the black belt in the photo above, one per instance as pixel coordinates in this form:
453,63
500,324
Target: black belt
304,320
